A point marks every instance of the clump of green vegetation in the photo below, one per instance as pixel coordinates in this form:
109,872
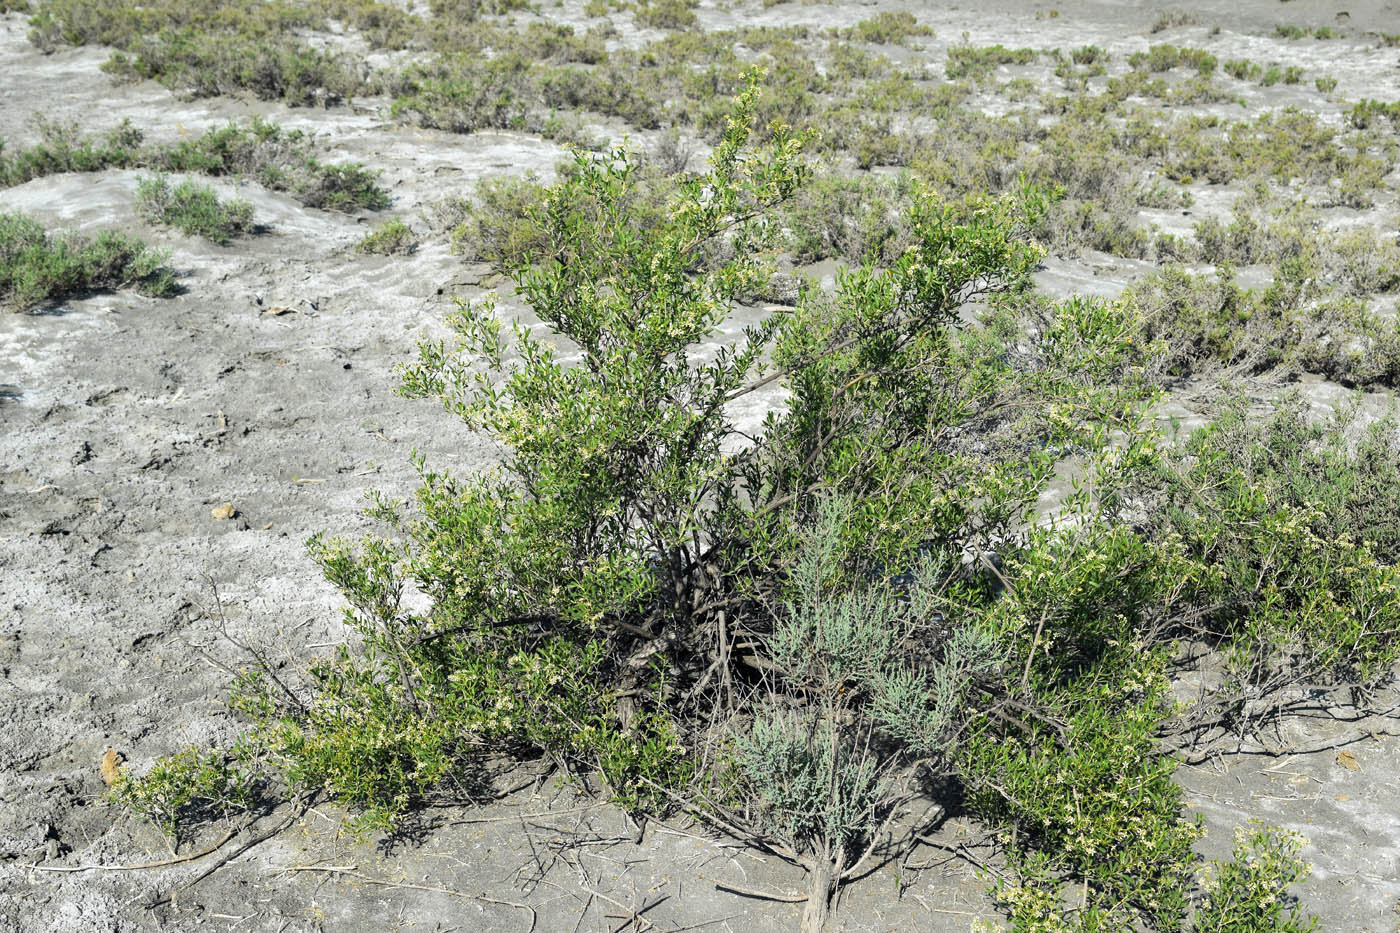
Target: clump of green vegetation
859,220
63,149
38,267
1250,892
205,47
966,61
182,790
1167,57
889,28
391,238
193,209
1242,69
1172,19
277,159
1289,31
1365,111
666,14
1089,55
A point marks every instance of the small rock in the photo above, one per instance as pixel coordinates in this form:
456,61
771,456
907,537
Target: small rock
279,310
1348,760
223,512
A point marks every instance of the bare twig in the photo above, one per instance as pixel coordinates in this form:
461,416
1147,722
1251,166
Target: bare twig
350,872
163,863
221,862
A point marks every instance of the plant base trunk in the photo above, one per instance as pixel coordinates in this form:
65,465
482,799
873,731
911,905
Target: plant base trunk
818,909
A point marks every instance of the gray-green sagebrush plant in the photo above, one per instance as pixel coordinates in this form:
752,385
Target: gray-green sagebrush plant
851,711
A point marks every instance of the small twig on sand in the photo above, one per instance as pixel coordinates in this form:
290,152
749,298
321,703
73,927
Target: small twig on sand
350,872
519,816
221,862
192,856
956,851
633,914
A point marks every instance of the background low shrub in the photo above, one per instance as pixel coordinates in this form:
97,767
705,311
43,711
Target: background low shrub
38,267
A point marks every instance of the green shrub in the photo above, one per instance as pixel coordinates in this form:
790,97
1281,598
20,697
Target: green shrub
1287,31
889,28
1167,57
1089,55
1243,69
189,787
666,14
777,620
203,47
857,220
193,209
209,65
391,238
61,148
277,159
1365,111
463,93
38,267
1172,19
966,61
1298,552
1250,892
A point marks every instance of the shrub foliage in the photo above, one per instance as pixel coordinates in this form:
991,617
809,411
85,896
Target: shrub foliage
790,621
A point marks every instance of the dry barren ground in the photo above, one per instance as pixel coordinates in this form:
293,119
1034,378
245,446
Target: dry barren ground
124,421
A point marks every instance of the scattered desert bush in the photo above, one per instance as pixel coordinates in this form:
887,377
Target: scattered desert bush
204,48
858,220
1167,57
38,267
183,790
1172,19
966,61
391,238
1366,111
62,148
277,159
193,209
889,28
666,14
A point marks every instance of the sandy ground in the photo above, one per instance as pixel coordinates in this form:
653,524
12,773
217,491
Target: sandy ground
125,420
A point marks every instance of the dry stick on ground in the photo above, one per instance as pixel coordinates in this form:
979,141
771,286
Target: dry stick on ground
350,872
163,863
262,837
633,915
